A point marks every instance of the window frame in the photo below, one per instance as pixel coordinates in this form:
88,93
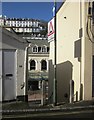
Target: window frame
35,49
43,67
32,67
44,49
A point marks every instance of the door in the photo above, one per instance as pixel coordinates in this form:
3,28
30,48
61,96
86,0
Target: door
9,79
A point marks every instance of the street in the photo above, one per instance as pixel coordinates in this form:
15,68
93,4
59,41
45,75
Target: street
55,115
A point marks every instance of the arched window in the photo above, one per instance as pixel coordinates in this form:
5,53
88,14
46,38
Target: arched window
44,49
39,49
32,65
35,49
47,49
43,65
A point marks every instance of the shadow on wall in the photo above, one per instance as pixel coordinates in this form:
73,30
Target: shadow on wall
64,75
50,82
81,92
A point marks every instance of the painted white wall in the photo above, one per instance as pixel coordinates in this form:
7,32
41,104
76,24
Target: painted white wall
87,52
20,72
67,34
12,42
38,59
71,17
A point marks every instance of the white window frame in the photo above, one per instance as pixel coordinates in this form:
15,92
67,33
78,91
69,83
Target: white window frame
44,50
35,51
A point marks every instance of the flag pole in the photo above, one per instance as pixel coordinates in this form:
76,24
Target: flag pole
55,79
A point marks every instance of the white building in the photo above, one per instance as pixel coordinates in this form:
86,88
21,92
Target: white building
38,55
34,32
74,53
27,28
13,59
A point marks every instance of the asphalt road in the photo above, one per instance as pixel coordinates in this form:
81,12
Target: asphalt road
53,115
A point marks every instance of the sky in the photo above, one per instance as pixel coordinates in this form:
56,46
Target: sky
35,10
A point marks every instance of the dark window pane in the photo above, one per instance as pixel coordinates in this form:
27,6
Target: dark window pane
43,49
43,65
39,49
47,49
32,65
35,49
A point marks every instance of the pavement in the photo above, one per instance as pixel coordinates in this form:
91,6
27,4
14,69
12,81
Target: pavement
17,108
29,106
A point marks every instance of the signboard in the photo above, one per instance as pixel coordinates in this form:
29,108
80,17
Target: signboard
51,31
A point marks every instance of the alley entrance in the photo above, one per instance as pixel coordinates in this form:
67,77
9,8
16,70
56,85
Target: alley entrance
37,89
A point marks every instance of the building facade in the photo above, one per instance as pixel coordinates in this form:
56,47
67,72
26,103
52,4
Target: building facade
26,27
38,55
74,53
13,71
34,32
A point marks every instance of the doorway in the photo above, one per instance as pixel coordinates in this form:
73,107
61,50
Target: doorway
9,75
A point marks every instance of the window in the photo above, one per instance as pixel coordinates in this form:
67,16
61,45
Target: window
32,65
44,49
33,29
39,49
17,29
47,49
35,49
43,65
34,23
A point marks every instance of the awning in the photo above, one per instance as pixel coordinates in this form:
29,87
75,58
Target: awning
38,76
